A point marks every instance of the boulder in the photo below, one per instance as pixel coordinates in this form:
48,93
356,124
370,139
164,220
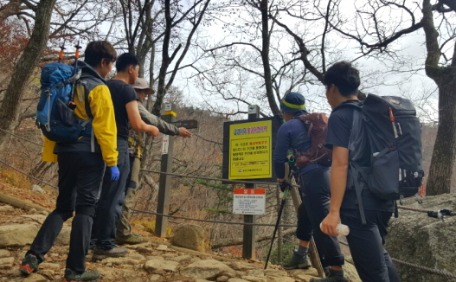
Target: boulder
418,239
191,237
208,269
9,235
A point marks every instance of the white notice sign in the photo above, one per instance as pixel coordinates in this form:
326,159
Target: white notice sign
249,201
165,144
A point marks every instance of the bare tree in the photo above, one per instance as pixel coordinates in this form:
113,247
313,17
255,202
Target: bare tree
26,64
379,25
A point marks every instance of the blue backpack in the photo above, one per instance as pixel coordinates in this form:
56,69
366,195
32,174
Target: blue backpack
55,112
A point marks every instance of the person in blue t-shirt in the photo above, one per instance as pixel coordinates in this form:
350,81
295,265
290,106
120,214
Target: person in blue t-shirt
314,188
366,241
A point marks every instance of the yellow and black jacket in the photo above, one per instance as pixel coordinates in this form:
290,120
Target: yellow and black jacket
103,136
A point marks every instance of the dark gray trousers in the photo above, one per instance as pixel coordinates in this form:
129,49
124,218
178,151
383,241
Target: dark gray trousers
314,208
372,261
80,175
111,200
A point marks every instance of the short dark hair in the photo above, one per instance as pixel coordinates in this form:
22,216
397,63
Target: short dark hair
344,76
125,60
98,50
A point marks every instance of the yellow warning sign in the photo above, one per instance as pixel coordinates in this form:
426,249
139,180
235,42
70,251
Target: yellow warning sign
250,154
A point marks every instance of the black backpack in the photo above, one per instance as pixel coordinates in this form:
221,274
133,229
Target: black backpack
394,142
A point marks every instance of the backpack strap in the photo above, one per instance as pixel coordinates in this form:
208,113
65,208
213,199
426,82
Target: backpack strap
359,178
358,173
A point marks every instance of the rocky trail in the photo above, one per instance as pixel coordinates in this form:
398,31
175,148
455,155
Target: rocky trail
155,260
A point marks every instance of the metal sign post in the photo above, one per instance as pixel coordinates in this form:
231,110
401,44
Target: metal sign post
161,223
249,244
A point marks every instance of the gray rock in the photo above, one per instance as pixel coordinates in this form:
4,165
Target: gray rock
255,272
6,262
64,237
183,258
207,269
37,188
39,218
162,248
418,239
255,278
9,234
159,265
275,273
35,278
6,208
222,278
241,266
48,265
4,253
191,237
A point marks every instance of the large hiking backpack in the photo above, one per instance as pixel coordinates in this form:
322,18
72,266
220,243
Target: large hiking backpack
54,115
394,138
317,128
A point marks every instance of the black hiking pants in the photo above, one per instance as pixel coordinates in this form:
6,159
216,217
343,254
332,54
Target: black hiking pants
80,176
316,193
372,261
112,198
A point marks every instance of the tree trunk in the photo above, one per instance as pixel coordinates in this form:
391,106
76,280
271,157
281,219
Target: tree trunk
265,57
444,152
26,65
443,156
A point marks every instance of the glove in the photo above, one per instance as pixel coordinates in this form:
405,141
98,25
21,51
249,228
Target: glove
284,185
115,173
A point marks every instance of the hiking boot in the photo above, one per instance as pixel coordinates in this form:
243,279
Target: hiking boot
330,277
333,278
132,239
71,276
297,262
99,254
29,264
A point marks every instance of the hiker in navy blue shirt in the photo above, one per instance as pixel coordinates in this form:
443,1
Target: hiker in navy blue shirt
314,188
366,241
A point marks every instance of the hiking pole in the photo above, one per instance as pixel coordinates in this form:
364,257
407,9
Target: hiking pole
76,76
62,47
282,205
313,251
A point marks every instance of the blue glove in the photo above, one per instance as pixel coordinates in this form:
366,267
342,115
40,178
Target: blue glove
115,173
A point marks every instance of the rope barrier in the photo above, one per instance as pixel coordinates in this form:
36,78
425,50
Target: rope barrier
213,221
423,268
427,269
20,137
207,140
211,178
24,173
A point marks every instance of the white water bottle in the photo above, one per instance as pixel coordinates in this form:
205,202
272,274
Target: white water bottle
342,229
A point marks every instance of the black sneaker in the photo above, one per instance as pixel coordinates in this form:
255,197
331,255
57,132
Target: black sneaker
29,264
116,252
297,262
71,276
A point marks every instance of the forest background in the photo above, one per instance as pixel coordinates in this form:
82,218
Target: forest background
214,58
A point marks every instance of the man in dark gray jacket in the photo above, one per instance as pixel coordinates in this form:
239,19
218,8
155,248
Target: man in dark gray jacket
142,88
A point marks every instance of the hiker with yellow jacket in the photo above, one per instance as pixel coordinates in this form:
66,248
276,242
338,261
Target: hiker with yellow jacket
82,164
